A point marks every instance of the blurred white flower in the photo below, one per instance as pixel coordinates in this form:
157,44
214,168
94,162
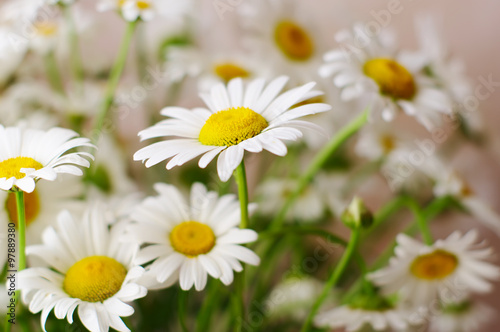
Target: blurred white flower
454,267
281,34
375,73
467,316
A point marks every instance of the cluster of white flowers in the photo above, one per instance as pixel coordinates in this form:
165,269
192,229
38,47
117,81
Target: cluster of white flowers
106,238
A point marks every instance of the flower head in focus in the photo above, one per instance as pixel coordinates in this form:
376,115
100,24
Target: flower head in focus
27,155
239,119
189,241
91,269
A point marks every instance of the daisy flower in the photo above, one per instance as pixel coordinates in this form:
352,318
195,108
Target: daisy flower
43,204
146,10
368,309
463,317
354,319
293,298
90,268
188,241
450,183
279,32
210,69
11,55
456,265
27,155
386,79
253,119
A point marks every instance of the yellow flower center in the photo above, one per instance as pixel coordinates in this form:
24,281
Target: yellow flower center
227,71
436,265
192,238
12,167
94,278
31,204
293,41
142,5
393,79
45,29
232,126
387,143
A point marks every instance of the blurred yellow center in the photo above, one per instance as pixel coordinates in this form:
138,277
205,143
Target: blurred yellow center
12,167
387,143
31,204
293,41
436,265
192,238
45,29
232,126
94,278
143,5
227,71
393,79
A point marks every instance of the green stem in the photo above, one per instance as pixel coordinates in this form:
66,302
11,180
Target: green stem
114,79
318,162
239,282
53,73
421,222
75,57
182,309
21,225
241,180
204,316
334,278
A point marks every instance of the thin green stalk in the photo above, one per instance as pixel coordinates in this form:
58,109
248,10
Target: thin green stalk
205,314
422,222
75,57
334,278
239,283
21,238
53,73
114,79
241,180
318,162
182,309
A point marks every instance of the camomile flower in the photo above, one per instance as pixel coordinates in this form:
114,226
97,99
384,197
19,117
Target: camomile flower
90,268
280,33
146,10
43,204
354,319
455,266
467,316
188,241
27,155
451,183
293,298
239,119
210,69
374,72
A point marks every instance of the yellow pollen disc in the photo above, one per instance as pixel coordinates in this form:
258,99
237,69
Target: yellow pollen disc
45,29
466,191
232,126
393,79
388,144
120,3
12,167
436,265
228,71
143,5
192,238
31,203
94,279
293,41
